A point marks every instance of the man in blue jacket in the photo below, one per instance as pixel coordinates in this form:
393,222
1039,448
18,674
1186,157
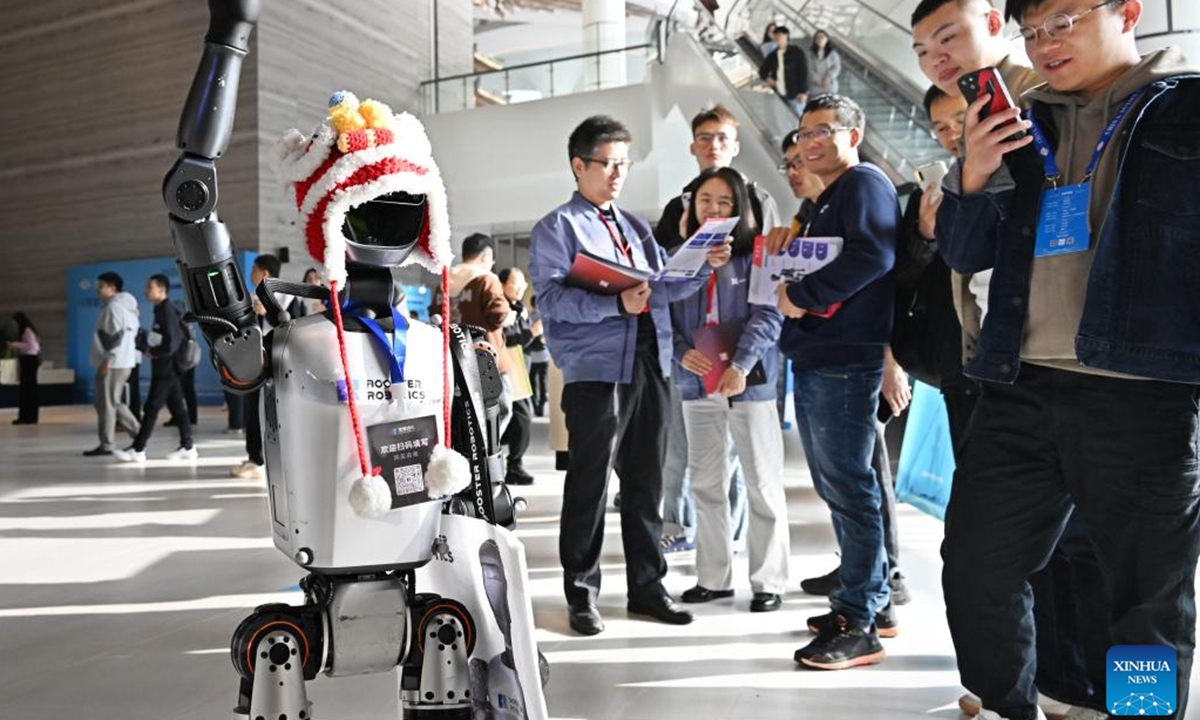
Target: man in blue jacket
615,352
839,323
1090,352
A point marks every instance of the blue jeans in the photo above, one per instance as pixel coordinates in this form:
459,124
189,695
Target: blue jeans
835,412
679,508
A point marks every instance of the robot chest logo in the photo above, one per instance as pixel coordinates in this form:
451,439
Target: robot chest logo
382,390
441,550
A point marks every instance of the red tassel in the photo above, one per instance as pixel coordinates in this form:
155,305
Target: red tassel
448,398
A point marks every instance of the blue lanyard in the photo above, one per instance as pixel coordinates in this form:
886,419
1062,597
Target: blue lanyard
396,348
1053,173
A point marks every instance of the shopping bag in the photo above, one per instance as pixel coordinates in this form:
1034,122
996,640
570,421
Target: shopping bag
518,373
927,454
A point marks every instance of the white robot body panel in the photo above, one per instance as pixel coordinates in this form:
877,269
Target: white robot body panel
304,410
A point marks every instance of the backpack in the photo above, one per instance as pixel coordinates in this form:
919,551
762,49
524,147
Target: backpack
187,357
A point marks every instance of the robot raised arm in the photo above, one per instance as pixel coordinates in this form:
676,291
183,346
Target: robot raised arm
204,251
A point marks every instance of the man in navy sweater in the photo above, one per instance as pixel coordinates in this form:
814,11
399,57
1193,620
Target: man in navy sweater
837,327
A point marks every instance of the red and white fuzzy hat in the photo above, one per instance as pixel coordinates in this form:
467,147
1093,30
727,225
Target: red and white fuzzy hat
362,151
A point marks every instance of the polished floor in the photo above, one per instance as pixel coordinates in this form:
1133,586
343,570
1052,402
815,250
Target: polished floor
120,586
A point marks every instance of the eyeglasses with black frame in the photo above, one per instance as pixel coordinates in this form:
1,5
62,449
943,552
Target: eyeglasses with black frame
1059,24
821,132
610,165
796,164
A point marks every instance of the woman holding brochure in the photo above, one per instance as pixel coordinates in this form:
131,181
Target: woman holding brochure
725,352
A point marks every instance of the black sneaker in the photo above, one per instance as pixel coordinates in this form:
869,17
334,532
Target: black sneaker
823,585
900,594
885,623
842,647
518,475
98,451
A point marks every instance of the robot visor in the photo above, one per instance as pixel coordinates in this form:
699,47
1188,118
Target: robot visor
383,231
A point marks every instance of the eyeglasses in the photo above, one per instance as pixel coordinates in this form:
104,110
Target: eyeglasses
709,138
822,133
796,164
725,206
610,165
1059,24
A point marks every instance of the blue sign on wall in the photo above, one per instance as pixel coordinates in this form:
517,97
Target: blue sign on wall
83,310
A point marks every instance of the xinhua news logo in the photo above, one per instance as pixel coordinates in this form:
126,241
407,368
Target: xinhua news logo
1141,680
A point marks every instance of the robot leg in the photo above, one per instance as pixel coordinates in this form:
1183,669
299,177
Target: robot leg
275,651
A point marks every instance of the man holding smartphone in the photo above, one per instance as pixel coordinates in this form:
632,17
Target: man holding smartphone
1089,223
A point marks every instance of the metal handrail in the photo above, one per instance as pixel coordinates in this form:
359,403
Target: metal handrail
523,66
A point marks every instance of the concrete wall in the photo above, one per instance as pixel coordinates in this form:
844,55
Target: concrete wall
93,91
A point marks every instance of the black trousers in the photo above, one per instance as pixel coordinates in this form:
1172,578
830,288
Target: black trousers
135,391
537,381
28,400
520,427
165,391
1123,454
959,408
188,383
254,440
236,409
622,427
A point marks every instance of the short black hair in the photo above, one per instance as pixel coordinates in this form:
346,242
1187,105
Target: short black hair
790,140
932,95
269,264
848,112
594,132
714,113
925,8
782,29
161,280
1016,9
111,278
507,272
474,245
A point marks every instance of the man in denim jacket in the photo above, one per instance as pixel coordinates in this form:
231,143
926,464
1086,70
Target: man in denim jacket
615,352
1091,357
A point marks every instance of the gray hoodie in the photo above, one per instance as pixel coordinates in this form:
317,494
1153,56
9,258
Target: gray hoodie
115,333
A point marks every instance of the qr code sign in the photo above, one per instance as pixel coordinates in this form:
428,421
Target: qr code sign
408,479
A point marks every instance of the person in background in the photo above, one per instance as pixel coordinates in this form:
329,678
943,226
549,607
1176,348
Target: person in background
187,381
747,412
520,332
824,65
477,298
539,361
161,345
768,45
786,71
312,306
29,356
114,353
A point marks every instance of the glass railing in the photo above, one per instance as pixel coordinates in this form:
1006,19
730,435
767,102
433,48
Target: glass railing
539,80
898,136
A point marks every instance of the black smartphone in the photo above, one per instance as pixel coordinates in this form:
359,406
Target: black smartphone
988,81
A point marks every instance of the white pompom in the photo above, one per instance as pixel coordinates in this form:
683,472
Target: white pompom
448,472
370,497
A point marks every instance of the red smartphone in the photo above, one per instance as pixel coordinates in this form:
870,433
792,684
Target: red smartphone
988,81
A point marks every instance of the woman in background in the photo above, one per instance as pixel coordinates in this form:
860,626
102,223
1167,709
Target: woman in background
29,357
824,66
768,46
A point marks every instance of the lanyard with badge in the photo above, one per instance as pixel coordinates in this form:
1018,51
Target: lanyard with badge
1063,216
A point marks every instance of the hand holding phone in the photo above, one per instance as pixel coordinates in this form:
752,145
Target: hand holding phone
989,130
930,177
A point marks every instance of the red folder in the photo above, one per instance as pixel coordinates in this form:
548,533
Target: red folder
603,276
719,344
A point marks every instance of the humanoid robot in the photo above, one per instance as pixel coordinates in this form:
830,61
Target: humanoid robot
374,426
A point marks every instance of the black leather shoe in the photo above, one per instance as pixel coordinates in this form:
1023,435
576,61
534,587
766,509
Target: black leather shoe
661,608
765,602
701,594
823,585
98,451
585,620
518,475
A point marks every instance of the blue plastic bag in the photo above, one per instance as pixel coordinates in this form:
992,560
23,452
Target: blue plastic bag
927,454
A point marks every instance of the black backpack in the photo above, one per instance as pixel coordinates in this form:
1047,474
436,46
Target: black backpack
187,357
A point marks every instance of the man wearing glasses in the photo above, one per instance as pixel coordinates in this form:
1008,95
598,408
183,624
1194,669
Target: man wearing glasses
714,145
615,352
838,323
1090,354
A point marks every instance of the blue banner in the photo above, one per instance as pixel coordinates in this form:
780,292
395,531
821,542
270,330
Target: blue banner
83,310
926,467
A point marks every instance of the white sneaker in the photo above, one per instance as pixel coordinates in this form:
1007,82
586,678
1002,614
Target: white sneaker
971,705
248,470
989,715
1081,713
183,454
130,455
